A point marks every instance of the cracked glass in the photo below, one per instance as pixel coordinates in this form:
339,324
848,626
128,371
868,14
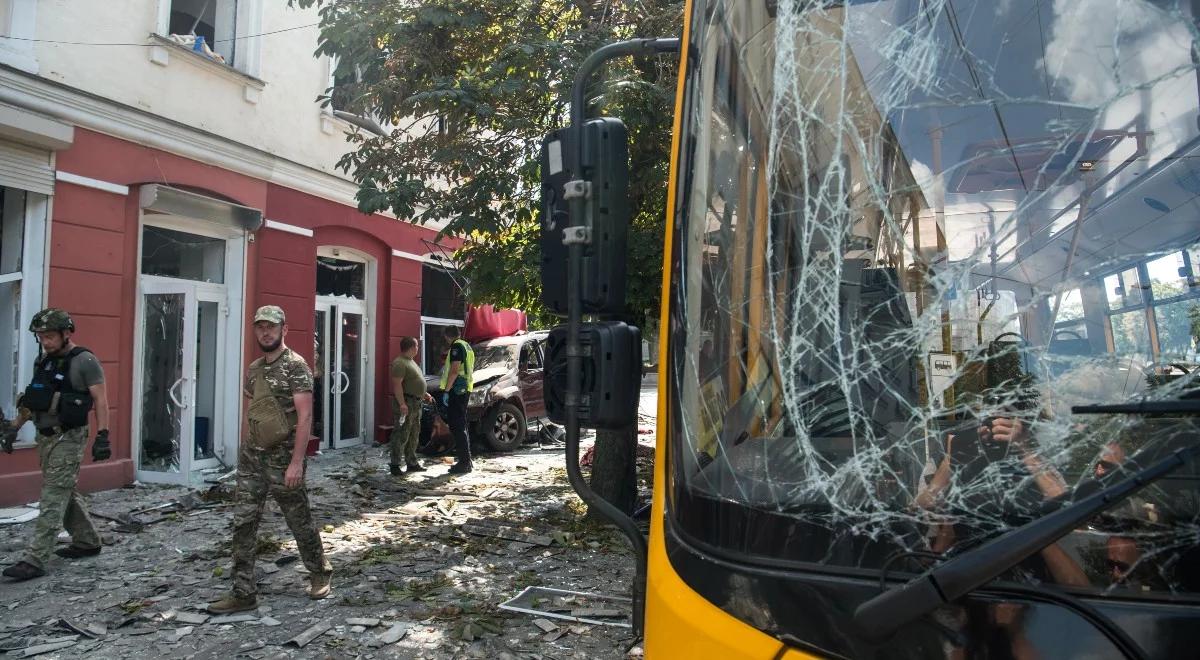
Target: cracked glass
911,236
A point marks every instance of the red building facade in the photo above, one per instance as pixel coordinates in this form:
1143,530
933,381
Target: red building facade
161,259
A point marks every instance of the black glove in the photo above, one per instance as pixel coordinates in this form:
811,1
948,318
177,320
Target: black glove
101,451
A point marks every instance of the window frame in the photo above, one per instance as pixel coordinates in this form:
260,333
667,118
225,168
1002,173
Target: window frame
247,52
18,28
30,281
1150,303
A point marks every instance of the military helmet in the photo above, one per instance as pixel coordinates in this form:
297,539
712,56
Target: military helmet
51,319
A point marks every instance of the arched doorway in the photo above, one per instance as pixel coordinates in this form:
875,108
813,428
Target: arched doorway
343,355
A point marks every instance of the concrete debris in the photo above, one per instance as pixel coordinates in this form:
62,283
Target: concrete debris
595,612
395,633
192,618
545,624
420,565
507,533
312,632
71,627
97,629
48,647
232,618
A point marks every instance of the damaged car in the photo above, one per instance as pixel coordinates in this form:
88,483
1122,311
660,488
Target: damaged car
508,389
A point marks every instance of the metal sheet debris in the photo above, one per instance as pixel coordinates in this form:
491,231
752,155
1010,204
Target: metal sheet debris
20,514
527,601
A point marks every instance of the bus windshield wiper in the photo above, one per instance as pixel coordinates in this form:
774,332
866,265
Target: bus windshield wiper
883,615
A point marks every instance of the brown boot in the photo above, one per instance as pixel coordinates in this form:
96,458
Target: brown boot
319,585
233,603
22,571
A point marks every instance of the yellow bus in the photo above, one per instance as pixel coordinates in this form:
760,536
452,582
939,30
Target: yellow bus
930,328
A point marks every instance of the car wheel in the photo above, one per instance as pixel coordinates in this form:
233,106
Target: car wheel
504,427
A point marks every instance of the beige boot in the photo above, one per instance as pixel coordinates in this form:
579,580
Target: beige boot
319,586
233,603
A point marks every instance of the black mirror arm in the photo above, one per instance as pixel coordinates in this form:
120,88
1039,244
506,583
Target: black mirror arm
576,236
881,616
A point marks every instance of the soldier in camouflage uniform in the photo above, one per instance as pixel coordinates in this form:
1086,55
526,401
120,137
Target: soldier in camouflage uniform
408,391
272,461
65,374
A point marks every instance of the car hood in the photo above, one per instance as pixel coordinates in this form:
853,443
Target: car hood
490,373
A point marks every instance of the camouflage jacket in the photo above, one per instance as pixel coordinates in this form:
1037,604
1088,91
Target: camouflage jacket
287,375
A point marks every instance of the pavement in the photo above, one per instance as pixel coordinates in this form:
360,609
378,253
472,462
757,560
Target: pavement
421,563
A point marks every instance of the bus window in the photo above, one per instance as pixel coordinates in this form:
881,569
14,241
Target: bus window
893,278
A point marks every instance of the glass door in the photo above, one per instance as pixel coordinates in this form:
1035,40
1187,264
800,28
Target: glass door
339,375
352,360
168,369
322,383
207,375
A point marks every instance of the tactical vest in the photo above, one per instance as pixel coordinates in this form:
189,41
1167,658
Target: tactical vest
468,367
51,392
270,423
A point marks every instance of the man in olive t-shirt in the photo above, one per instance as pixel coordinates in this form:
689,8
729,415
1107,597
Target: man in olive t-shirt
408,388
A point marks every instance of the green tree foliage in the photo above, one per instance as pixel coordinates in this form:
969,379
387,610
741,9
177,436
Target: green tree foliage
467,89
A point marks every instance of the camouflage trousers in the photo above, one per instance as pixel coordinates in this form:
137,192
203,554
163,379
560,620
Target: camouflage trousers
261,473
404,436
61,505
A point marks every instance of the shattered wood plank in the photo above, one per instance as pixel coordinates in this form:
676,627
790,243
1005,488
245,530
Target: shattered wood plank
554,635
365,622
508,534
395,633
312,632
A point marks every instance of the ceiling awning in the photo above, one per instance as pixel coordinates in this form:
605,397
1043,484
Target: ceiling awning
161,198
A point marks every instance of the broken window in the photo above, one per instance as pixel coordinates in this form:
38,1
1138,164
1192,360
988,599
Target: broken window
173,253
441,295
912,237
339,277
213,20
12,234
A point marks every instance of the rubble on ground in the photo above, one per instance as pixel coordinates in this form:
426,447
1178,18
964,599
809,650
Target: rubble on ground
421,564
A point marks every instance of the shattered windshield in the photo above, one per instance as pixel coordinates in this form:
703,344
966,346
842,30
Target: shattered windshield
502,355
910,237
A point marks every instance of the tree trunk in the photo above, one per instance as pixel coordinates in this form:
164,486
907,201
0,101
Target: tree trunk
614,468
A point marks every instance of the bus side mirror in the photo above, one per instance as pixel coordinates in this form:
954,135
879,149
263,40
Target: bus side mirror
605,170
612,375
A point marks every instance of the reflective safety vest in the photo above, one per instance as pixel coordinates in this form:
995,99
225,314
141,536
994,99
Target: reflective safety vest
468,367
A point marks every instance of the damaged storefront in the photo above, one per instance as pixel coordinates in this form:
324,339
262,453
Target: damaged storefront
160,258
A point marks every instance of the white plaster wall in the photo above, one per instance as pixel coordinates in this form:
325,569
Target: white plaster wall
285,121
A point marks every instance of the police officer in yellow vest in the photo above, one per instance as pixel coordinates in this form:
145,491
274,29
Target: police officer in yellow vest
458,379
